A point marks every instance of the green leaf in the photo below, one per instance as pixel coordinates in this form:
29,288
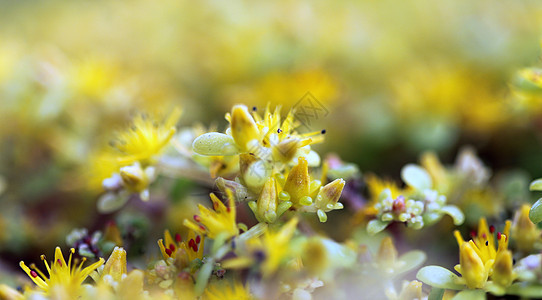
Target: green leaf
203,276
411,260
454,212
416,177
430,218
536,185
470,295
375,226
436,294
495,289
535,214
523,290
110,202
439,277
214,143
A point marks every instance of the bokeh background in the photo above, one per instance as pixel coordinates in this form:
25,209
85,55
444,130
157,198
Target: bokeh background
395,79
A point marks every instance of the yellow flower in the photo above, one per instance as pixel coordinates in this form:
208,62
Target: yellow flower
133,152
61,274
478,257
525,232
221,221
223,291
115,266
271,250
145,139
8,293
176,248
268,138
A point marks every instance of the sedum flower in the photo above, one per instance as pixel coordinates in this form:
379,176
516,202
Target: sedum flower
183,252
219,221
478,256
129,166
418,205
269,251
268,138
525,232
146,138
410,290
8,293
485,264
227,290
62,276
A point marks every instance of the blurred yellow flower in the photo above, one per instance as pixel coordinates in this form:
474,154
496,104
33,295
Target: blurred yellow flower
219,222
62,276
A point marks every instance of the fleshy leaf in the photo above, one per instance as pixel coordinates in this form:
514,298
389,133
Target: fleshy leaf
411,260
536,185
529,291
110,202
535,214
214,143
436,294
375,226
416,177
470,295
439,277
454,212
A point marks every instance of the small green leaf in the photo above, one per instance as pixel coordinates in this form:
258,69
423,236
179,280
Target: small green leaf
214,143
495,289
470,295
536,185
110,202
203,276
436,294
535,214
430,218
416,177
411,260
375,226
454,212
523,290
439,277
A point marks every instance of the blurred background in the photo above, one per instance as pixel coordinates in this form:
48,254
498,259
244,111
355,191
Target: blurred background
391,79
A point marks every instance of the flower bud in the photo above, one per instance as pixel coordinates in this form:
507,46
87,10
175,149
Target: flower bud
243,127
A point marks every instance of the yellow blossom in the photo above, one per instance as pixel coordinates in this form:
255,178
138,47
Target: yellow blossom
61,274
525,232
477,257
227,291
186,251
146,138
220,221
271,250
269,137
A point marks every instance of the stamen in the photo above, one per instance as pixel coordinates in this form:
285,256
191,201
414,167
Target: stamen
197,218
59,262
178,238
498,235
198,239
473,234
33,274
484,236
171,247
202,227
492,229
169,252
